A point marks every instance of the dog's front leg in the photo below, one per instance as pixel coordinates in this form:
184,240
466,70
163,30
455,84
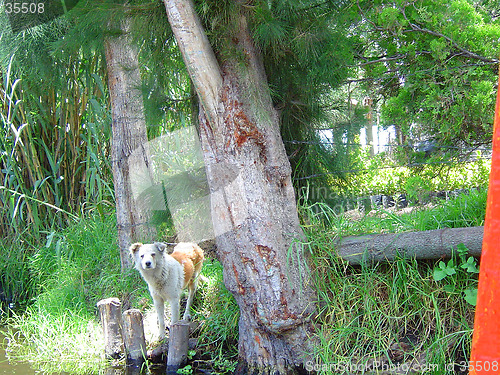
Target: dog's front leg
159,306
174,308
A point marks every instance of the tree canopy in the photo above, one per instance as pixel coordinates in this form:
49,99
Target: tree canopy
432,65
429,65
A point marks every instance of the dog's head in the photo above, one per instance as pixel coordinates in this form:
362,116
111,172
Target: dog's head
146,256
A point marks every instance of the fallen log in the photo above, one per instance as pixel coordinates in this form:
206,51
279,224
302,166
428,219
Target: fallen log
430,244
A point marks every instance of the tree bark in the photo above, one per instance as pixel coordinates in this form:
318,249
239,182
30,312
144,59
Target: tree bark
252,198
430,244
129,147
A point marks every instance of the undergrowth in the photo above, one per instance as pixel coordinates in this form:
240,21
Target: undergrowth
388,313
66,276
466,210
392,314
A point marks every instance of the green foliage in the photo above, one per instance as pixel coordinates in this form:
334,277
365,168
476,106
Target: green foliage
306,50
55,131
52,146
433,65
444,270
365,312
55,123
68,342
380,175
78,266
187,370
417,188
467,210
460,274
219,316
65,277
15,276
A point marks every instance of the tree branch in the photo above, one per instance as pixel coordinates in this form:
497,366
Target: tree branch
384,59
417,28
197,52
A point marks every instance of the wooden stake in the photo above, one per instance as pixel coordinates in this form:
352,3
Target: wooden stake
133,337
110,311
178,346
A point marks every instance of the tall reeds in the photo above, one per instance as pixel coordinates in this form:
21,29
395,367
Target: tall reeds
54,147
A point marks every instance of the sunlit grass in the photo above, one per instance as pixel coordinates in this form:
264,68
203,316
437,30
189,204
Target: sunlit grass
71,272
54,343
218,314
363,311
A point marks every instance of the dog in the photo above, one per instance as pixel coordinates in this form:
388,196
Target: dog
167,275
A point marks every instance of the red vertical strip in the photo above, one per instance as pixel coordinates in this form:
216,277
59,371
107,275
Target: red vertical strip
485,354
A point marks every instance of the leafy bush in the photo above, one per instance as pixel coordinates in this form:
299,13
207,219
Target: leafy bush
378,175
460,272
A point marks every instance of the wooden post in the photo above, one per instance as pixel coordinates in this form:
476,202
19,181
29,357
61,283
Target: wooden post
110,311
133,337
178,346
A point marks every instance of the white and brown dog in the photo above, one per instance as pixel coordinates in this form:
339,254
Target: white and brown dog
167,275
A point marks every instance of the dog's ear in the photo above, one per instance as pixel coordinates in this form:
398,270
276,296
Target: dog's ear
160,246
134,247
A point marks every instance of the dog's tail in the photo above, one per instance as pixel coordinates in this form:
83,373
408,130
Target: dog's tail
202,279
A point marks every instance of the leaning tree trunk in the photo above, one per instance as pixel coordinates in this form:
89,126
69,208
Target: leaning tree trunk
129,150
252,198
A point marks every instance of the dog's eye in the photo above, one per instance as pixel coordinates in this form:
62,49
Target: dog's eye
142,256
153,255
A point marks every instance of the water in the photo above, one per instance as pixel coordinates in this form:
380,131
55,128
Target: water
11,368
23,368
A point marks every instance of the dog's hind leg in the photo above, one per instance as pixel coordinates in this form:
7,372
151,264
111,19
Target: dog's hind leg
159,306
192,290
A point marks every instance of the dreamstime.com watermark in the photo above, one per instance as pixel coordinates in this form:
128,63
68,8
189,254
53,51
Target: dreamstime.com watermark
353,368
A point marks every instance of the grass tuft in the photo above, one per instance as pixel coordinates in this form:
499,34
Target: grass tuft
56,342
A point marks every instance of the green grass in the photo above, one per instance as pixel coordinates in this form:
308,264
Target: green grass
56,342
463,211
363,311
69,273
219,317
366,313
